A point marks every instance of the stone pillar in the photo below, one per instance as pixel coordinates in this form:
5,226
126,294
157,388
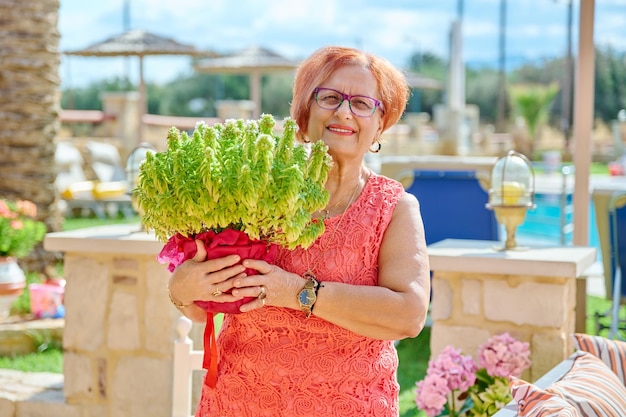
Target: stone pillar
119,323
125,107
479,291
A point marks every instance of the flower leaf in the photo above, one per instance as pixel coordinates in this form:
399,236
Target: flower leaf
236,175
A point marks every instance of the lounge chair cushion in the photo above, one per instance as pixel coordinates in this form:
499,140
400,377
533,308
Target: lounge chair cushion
531,401
589,387
612,352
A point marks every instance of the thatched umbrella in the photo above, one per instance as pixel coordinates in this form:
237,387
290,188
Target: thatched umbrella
254,62
137,42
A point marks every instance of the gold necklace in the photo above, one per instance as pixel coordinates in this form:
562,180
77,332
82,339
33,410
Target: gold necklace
325,212
309,273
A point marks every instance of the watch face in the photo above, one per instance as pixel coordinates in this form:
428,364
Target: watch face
307,297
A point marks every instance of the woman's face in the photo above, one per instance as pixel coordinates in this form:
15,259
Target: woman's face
345,134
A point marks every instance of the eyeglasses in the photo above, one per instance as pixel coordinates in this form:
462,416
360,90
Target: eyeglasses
361,106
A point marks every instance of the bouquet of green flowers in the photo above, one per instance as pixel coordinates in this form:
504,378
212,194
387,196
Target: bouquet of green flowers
233,185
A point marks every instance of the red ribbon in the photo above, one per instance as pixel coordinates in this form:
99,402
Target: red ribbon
179,248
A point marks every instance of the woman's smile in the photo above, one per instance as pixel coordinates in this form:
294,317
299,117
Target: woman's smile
341,130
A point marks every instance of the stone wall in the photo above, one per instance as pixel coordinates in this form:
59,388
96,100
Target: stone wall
118,336
472,307
120,326
479,291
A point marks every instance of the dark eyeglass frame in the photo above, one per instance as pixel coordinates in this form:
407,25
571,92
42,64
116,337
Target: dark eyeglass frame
348,97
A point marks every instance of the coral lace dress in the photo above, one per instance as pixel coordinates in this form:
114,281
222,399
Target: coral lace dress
275,362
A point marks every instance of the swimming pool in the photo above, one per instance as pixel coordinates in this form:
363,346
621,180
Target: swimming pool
543,224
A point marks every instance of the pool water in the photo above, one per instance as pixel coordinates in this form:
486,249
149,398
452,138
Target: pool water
543,224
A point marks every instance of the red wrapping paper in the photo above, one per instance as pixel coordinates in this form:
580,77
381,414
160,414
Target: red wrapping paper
227,242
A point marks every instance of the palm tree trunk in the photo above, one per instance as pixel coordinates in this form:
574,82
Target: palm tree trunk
29,108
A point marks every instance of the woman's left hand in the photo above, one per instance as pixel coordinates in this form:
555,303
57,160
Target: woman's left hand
281,287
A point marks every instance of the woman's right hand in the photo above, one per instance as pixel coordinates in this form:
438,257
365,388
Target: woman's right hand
206,280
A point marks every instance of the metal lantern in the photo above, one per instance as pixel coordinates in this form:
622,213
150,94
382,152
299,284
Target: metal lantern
133,165
512,193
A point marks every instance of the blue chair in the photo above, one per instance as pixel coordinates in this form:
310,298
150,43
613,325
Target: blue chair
617,235
452,205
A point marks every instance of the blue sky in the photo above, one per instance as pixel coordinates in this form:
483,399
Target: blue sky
391,28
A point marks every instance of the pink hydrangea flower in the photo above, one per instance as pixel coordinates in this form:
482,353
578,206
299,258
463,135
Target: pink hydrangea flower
459,370
503,356
432,394
450,372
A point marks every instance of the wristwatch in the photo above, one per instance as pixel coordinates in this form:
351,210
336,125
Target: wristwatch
308,295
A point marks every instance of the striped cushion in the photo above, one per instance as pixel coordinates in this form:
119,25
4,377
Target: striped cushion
531,401
589,387
612,352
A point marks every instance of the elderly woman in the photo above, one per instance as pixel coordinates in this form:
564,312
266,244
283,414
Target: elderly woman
318,338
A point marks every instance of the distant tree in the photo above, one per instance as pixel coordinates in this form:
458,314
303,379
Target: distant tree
482,90
532,102
431,66
276,97
154,96
610,83
197,94
546,72
173,98
89,98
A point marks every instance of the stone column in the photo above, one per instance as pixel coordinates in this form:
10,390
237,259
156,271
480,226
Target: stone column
125,107
119,323
479,291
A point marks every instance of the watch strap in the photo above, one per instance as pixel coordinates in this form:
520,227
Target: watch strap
311,285
317,288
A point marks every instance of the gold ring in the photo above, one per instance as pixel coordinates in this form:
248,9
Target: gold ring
262,302
217,292
262,294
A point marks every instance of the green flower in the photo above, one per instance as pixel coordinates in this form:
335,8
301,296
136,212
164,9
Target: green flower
236,175
488,401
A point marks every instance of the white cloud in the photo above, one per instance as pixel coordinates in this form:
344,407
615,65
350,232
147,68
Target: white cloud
394,28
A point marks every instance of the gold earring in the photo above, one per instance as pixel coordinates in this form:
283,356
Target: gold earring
377,149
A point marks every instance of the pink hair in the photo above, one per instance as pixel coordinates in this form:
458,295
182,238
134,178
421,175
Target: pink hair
392,85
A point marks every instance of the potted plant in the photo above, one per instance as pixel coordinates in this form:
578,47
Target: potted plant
239,189
237,176
19,233
231,184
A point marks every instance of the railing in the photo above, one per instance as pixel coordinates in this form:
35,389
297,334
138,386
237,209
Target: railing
186,360
552,219
566,205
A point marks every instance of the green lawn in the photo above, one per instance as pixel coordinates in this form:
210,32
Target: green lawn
73,223
413,355
50,360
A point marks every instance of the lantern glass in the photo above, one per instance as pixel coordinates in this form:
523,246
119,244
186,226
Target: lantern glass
512,193
133,163
512,181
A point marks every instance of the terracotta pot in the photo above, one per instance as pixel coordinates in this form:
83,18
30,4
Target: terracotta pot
12,283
